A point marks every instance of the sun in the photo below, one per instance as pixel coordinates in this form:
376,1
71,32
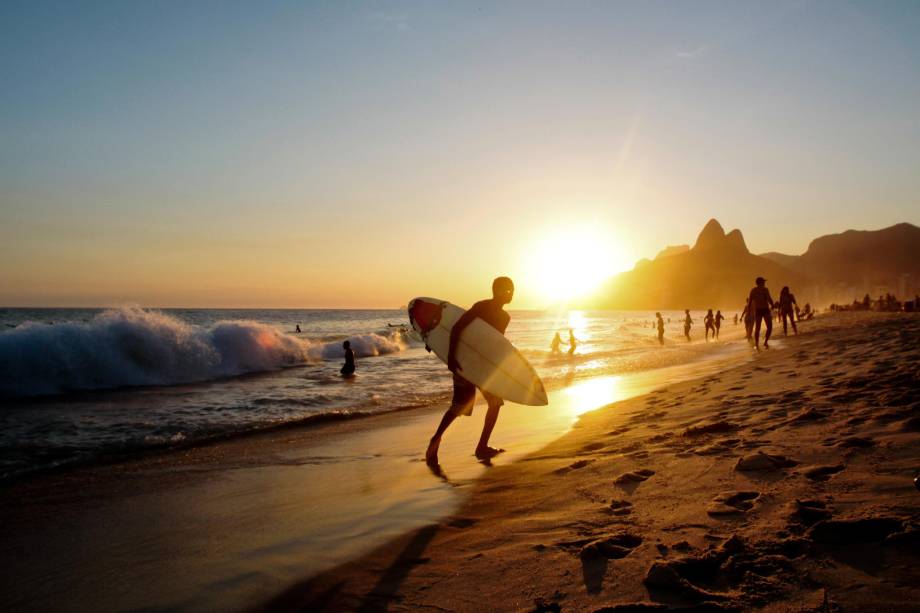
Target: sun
571,263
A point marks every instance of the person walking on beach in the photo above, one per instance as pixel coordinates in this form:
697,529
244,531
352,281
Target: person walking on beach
718,321
492,312
709,322
557,341
786,302
348,369
660,328
687,323
573,342
747,316
762,304
736,319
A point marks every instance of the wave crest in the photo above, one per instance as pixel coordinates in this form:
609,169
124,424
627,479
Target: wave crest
131,346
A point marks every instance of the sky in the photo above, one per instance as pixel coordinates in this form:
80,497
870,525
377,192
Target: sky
341,154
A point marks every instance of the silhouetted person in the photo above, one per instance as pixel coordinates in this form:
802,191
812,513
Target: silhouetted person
762,303
573,342
710,324
718,321
866,302
491,312
557,341
660,328
687,323
747,316
786,303
348,369
297,329
736,319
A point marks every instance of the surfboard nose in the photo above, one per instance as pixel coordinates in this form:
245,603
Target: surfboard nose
424,315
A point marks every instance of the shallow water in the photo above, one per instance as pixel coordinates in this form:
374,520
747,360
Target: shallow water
79,384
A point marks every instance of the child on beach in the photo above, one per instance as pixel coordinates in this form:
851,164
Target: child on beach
490,311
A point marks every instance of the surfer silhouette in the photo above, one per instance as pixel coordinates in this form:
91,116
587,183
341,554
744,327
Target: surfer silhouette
718,321
297,329
687,323
348,369
660,328
573,342
492,312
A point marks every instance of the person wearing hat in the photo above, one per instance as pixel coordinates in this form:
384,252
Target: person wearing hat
762,304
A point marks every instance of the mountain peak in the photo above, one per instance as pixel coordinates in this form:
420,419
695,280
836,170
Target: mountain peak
713,237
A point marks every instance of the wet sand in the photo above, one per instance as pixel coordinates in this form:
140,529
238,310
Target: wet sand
232,524
783,484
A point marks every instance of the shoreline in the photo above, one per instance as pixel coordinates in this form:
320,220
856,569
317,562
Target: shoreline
783,484
237,517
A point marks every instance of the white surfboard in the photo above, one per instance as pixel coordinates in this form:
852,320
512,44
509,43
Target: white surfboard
487,359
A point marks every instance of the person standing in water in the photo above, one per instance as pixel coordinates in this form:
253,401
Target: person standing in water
557,341
710,324
786,309
718,321
348,369
492,312
747,316
762,304
573,342
660,328
687,323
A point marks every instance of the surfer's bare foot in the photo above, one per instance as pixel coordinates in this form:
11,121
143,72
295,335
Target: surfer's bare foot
766,345
484,453
431,455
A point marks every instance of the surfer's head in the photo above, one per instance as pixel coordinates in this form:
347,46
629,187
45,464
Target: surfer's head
503,289
759,281
346,344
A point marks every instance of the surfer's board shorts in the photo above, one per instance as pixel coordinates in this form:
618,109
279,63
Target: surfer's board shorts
465,397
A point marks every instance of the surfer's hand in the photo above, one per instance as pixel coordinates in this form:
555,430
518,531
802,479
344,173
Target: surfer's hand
453,365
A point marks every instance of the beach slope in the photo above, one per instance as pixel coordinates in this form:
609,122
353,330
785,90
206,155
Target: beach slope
784,484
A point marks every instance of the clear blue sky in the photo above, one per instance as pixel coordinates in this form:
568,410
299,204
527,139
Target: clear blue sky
295,154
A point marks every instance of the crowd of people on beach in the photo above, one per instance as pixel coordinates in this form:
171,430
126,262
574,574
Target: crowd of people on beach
887,302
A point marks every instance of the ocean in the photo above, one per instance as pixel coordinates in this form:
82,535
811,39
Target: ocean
86,385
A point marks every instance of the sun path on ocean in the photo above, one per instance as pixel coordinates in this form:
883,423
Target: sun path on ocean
569,263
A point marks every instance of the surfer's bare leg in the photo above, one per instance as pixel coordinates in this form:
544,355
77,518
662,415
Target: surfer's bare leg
482,449
431,455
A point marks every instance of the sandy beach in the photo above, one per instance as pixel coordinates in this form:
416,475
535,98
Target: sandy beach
783,484
779,480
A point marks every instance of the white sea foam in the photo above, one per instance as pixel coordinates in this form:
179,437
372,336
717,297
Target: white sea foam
131,346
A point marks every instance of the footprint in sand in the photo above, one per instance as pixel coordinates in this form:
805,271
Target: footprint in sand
620,507
764,462
856,442
634,478
593,446
732,503
823,473
573,466
809,512
614,547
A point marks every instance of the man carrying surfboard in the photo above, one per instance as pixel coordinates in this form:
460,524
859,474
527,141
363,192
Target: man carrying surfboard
492,312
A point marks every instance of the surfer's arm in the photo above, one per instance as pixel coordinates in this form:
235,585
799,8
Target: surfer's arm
458,327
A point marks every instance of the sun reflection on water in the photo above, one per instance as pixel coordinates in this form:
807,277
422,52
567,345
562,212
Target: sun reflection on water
593,394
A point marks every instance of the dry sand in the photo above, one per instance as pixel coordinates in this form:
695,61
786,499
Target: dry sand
783,484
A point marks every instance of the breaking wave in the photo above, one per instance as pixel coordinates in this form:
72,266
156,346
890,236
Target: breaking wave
130,346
